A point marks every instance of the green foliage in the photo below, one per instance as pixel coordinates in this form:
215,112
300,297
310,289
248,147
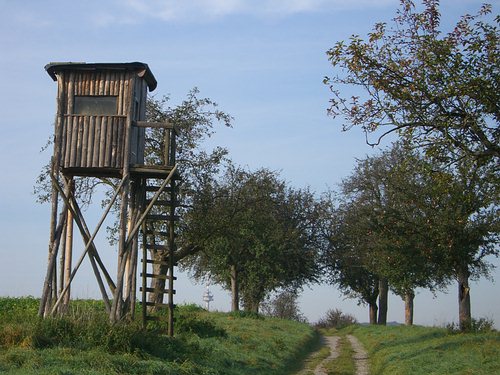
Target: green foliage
480,325
437,91
335,319
253,229
83,342
412,222
419,351
284,305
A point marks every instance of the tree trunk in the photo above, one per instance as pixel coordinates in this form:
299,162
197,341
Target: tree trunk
235,292
464,310
383,287
409,297
373,312
252,306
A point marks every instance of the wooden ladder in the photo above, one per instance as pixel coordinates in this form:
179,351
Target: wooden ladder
158,248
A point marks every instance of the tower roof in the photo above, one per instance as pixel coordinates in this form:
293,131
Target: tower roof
142,69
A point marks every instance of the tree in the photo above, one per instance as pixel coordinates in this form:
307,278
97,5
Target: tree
437,91
284,305
466,226
417,226
256,235
344,255
194,120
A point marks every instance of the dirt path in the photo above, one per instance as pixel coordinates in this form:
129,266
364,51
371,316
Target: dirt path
332,342
360,356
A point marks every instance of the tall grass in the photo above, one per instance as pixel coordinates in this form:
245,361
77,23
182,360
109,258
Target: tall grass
84,342
423,351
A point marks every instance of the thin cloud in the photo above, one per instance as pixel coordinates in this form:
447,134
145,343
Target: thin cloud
175,10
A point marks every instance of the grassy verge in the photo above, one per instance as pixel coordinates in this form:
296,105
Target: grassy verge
424,351
83,342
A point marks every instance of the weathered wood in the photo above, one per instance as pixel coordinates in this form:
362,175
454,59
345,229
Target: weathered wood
74,141
102,142
144,282
90,142
90,242
102,145
97,140
155,290
123,245
79,146
108,143
68,254
71,90
53,248
171,261
151,204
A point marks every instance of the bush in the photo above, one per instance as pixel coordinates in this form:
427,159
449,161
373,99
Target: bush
284,306
481,325
336,319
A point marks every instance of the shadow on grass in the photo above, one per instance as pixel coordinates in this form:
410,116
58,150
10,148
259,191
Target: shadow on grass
297,362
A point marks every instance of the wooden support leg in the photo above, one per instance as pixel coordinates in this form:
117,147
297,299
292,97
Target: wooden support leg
79,219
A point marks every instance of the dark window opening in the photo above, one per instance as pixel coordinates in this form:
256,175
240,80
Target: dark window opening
95,105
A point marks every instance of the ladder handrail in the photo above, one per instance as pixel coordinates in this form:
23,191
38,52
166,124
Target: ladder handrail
139,222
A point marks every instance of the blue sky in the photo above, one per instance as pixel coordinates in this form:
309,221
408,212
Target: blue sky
263,61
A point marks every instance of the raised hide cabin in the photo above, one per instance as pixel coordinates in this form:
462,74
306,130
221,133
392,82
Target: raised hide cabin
98,108
100,131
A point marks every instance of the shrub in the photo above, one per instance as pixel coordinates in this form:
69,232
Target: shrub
284,306
480,325
335,319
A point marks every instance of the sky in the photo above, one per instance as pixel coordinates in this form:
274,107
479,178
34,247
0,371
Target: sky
262,61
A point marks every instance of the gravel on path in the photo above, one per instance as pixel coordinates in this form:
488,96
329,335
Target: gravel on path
332,342
360,356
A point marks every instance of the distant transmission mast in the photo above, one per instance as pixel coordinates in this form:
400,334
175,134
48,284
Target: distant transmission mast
208,297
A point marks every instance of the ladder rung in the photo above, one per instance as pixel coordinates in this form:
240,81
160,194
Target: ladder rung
156,246
162,217
156,304
162,202
153,261
154,276
153,290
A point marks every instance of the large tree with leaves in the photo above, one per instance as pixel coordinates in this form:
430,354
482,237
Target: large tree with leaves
345,254
417,226
438,91
256,235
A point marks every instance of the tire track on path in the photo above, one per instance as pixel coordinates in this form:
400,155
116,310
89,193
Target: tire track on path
332,342
360,356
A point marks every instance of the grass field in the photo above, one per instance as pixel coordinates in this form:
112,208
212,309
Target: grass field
83,342
206,343
425,351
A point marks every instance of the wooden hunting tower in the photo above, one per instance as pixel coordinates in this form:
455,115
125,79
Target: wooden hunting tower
100,132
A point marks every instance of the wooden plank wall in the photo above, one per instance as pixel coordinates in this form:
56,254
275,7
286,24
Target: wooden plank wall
137,141
94,141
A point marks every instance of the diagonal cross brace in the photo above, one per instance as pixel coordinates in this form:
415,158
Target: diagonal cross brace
90,242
